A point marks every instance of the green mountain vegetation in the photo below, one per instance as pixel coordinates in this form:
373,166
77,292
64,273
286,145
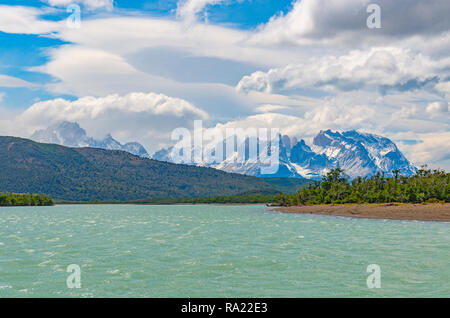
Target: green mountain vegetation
425,186
285,185
90,174
25,200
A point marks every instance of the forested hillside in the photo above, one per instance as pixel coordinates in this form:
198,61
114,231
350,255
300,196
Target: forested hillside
90,174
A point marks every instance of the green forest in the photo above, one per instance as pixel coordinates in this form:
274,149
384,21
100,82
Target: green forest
25,200
90,174
426,186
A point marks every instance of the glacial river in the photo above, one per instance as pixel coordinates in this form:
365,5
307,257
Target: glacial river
216,251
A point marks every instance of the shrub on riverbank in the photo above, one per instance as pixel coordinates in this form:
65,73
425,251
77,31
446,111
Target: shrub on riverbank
25,200
425,186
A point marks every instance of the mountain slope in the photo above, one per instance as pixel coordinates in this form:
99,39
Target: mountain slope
88,174
362,154
72,135
358,154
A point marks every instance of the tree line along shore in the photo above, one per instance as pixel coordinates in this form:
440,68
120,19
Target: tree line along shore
426,186
25,200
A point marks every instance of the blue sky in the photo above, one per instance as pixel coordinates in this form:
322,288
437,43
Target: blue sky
19,52
240,14
139,69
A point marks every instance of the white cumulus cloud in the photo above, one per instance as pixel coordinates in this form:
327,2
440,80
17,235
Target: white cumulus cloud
94,108
345,22
436,109
444,87
431,149
188,9
376,67
145,117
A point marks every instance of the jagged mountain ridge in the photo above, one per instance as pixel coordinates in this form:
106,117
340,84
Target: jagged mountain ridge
70,134
357,153
362,154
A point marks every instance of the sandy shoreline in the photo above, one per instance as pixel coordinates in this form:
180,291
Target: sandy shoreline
421,212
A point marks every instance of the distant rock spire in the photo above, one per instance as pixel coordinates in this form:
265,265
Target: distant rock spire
70,134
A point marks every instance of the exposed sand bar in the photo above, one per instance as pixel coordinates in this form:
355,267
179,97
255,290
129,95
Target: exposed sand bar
421,212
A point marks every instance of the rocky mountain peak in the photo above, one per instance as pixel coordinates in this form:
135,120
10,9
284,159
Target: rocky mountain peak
70,134
359,154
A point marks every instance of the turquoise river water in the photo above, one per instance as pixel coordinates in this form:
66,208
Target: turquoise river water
216,251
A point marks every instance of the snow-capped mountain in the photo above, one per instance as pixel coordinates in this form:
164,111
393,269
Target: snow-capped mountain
358,154
72,135
362,154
